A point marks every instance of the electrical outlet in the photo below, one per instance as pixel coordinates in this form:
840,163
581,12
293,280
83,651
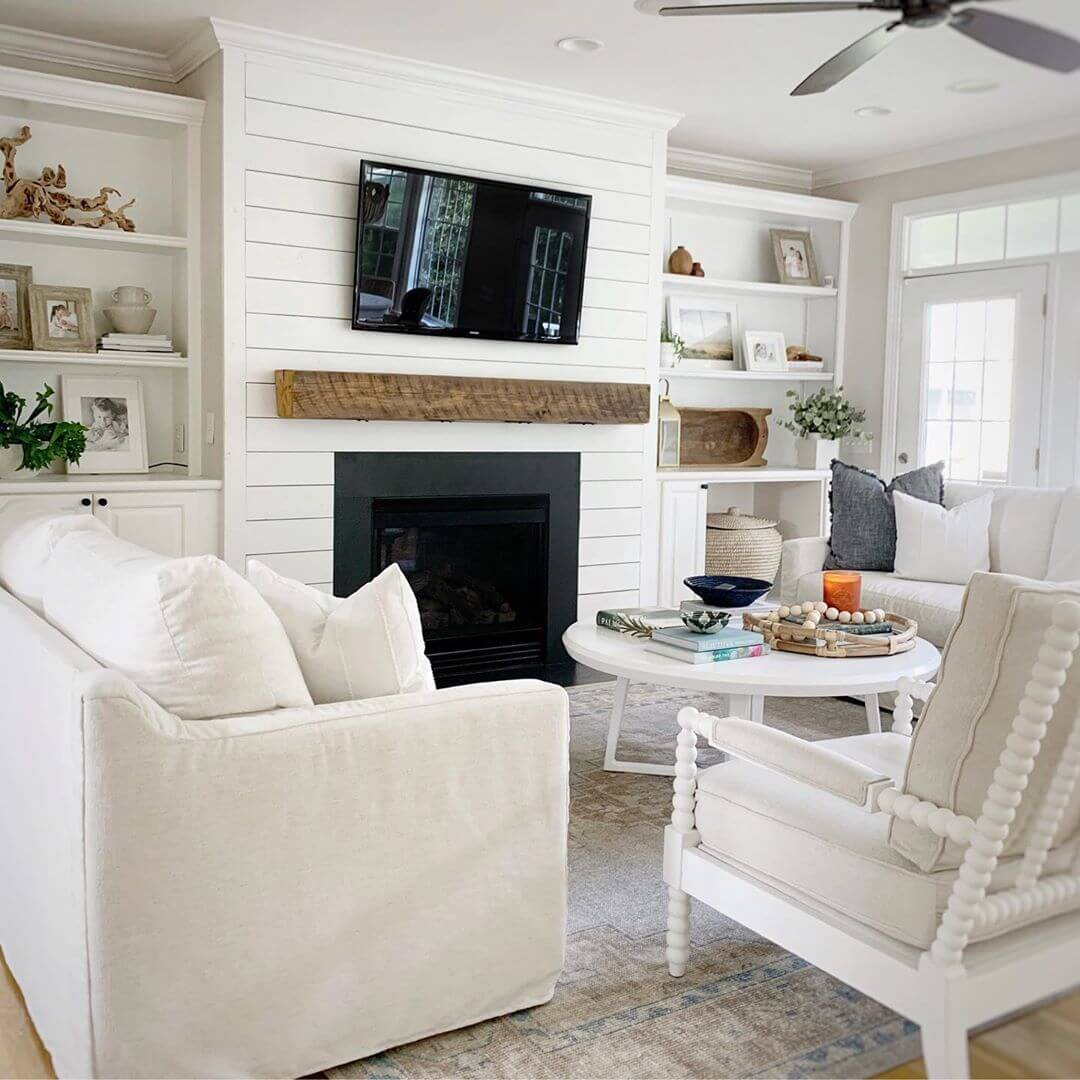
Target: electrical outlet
180,438
210,432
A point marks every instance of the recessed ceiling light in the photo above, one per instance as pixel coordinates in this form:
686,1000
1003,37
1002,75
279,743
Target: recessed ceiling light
973,86
873,110
579,44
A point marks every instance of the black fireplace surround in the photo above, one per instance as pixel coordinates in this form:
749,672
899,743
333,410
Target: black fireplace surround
489,543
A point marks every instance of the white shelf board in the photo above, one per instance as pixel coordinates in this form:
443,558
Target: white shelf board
53,483
723,287
766,474
746,376
93,359
105,239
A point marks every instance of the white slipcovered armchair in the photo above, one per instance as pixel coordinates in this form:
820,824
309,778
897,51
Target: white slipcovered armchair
270,894
936,873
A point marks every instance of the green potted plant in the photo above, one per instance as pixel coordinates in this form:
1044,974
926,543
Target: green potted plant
821,420
671,347
30,443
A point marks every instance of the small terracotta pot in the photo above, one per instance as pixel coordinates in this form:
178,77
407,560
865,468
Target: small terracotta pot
680,261
697,270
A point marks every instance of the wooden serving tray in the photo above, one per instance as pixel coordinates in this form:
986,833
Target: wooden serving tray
838,645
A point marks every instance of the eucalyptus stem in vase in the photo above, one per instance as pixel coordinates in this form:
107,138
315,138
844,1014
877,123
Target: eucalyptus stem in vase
821,420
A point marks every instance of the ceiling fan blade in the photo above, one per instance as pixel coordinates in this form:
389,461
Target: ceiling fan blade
848,60
1019,39
780,7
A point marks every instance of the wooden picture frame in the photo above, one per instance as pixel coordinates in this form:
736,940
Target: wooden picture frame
111,408
705,324
796,262
764,350
62,318
15,306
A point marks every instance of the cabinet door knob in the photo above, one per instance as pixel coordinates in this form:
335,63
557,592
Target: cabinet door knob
103,502
85,502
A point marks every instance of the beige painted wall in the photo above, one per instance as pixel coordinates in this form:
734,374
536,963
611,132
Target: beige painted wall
870,236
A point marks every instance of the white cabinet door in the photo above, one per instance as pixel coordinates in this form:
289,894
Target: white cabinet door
682,537
68,501
173,523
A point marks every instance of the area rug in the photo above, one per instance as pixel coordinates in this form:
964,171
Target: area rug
745,1007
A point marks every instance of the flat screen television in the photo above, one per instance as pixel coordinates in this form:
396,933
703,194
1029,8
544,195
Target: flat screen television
448,255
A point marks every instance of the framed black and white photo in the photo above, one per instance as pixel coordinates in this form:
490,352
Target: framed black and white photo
709,329
110,407
15,307
764,350
796,263
62,318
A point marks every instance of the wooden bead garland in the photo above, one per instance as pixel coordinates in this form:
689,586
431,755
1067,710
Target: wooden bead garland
805,637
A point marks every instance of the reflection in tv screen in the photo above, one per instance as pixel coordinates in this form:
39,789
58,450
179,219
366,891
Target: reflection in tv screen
463,256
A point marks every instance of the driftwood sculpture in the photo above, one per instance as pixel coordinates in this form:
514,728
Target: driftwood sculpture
31,198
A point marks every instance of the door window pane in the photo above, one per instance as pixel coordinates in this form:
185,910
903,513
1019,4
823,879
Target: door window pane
967,395
932,241
982,235
1032,228
942,333
1070,223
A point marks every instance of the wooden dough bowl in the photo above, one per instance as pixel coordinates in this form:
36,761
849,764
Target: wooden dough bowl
723,438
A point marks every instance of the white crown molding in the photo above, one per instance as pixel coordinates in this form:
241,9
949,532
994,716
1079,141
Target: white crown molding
737,170
194,52
62,90
989,142
439,77
698,191
57,49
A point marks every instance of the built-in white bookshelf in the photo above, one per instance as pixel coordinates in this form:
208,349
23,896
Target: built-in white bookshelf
726,227
147,145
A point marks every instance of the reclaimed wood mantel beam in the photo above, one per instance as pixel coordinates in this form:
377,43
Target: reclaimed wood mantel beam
355,395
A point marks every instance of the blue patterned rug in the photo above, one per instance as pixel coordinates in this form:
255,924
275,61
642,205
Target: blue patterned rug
745,1007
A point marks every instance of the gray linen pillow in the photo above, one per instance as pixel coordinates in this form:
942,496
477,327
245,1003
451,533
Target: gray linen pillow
863,519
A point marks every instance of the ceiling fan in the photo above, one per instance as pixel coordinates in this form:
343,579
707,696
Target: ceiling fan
1015,37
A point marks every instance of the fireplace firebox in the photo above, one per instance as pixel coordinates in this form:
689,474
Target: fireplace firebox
489,543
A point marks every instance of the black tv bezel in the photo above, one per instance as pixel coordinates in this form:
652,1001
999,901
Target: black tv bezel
474,335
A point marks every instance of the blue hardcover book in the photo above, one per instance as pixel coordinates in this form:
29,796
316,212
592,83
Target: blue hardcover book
729,638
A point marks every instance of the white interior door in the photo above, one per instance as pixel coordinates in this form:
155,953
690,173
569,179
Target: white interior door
971,374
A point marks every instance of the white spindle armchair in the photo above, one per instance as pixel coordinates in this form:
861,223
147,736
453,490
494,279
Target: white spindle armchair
936,873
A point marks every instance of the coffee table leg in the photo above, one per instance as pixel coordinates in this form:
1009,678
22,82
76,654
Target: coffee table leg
873,713
611,762
748,707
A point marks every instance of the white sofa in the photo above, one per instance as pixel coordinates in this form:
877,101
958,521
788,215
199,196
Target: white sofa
1034,533
270,894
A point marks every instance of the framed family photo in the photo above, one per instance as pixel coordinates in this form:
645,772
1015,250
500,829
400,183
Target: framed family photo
15,307
765,350
62,318
110,407
796,263
709,329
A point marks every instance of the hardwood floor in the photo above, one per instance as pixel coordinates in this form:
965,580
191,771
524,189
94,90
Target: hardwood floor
1044,1043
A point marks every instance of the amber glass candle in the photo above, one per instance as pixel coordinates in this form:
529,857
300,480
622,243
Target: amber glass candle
842,589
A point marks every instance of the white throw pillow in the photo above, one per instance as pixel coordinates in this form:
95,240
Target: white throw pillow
28,536
366,645
1065,551
935,544
191,633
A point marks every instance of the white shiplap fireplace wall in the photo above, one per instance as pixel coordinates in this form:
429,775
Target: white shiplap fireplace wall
298,116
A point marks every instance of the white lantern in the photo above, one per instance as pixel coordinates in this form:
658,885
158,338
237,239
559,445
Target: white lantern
668,425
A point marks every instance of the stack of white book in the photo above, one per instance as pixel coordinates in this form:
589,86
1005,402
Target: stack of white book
149,343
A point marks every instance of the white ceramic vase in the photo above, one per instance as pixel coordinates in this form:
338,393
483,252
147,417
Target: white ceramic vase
814,452
667,354
10,460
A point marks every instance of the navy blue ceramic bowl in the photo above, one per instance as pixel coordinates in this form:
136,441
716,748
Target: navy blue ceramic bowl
730,592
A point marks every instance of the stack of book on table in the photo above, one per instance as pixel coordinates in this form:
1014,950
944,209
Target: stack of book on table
679,643
148,343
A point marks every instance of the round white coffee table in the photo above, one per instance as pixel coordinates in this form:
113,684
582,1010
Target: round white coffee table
745,682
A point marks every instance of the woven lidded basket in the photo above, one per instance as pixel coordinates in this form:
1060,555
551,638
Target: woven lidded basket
742,545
